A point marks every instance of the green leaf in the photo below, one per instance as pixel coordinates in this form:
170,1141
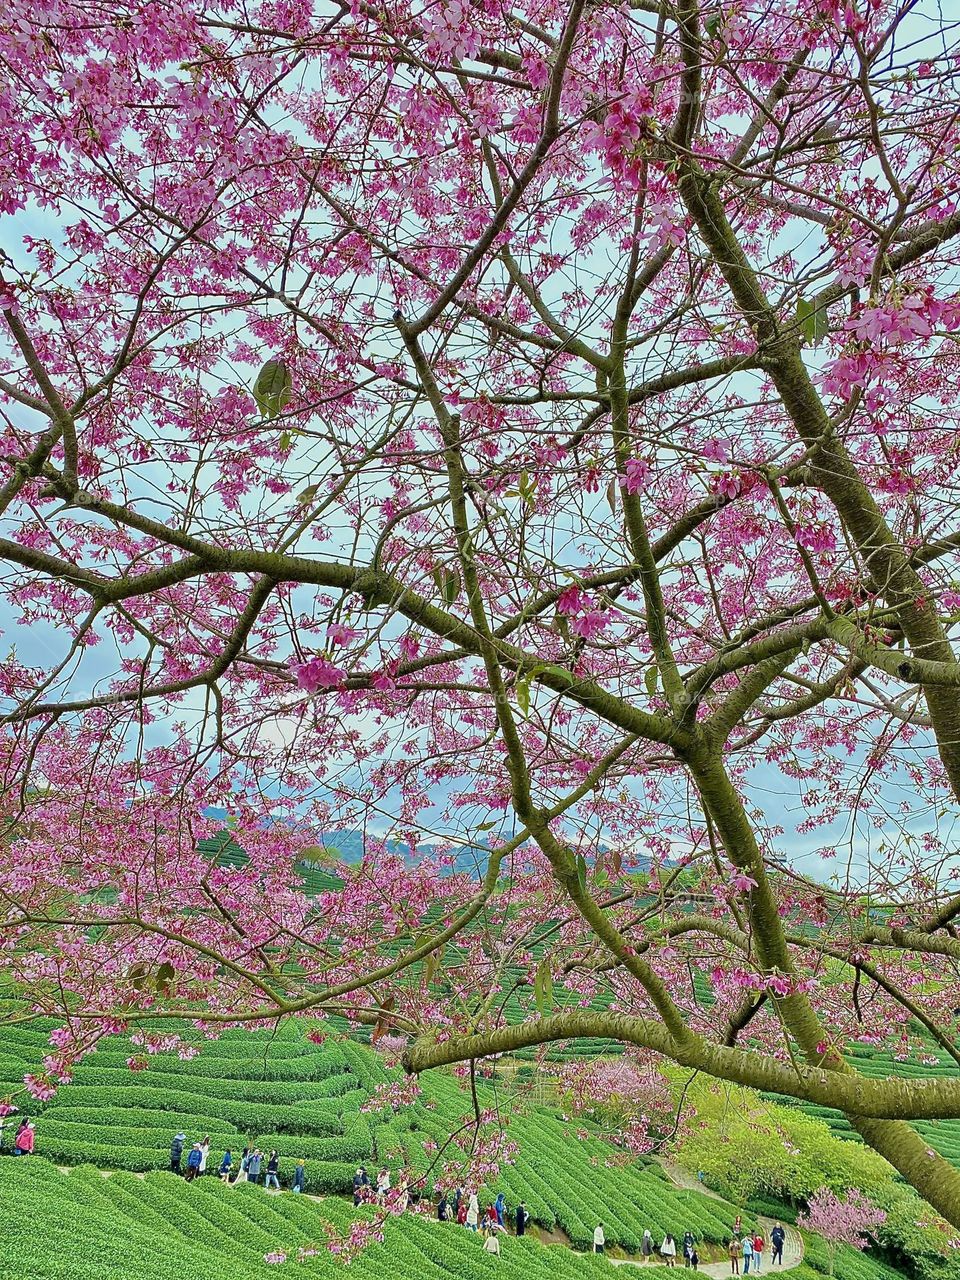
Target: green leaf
650,678
523,694
813,320
582,872
273,388
448,583
543,987
165,975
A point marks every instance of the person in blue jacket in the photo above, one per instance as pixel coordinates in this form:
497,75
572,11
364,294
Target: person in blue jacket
299,1176
499,1206
226,1164
193,1161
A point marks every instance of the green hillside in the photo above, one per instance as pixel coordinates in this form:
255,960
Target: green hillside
280,1091
84,1226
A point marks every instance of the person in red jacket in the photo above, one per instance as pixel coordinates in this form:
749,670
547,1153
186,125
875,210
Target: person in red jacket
23,1144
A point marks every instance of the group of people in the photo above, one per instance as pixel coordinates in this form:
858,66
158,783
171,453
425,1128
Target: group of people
751,1247
251,1164
464,1208
667,1253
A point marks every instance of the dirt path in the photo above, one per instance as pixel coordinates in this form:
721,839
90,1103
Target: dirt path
792,1248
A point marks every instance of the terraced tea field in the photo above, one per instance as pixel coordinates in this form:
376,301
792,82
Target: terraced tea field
281,1091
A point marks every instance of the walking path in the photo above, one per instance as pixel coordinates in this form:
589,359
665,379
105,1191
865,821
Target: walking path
792,1248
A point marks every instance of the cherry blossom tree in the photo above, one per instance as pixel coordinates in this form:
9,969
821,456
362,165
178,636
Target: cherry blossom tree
851,1220
527,435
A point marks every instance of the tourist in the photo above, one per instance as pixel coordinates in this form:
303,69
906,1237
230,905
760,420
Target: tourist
499,1206
244,1165
457,1197
599,1239
299,1177
522,1218
695,1259
668,1250
23,1143
443,1208
383,1183
490,1218
687,1247
491,1244
462,1213
253,1166
193,1161
176,1152
403,1196
759,1245
225,1165
646,1246
364,1176
473,1212
273,1167
777,1237
204,1152
746,1248
357,1187
736,1226
733,1248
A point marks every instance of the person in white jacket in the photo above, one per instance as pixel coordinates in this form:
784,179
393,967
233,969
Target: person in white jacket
599,1239
473,1212
668,1250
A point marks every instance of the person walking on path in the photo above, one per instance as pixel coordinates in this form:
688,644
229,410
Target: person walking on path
473,1212
777,1237
253,1166
244,1165
226,1164
499,1205
462,1213
668,1250
733,1248
758,1247
193,1161
204,1152
646,1246
599,1239
695,1259
273,1167
521,1218
176,1152
687,1247
299,1176
747,1249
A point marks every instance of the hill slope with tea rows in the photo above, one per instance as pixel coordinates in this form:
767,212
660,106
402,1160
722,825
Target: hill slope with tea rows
280,1091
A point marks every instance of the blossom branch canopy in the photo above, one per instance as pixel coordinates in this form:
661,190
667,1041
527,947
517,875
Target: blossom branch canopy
526,438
